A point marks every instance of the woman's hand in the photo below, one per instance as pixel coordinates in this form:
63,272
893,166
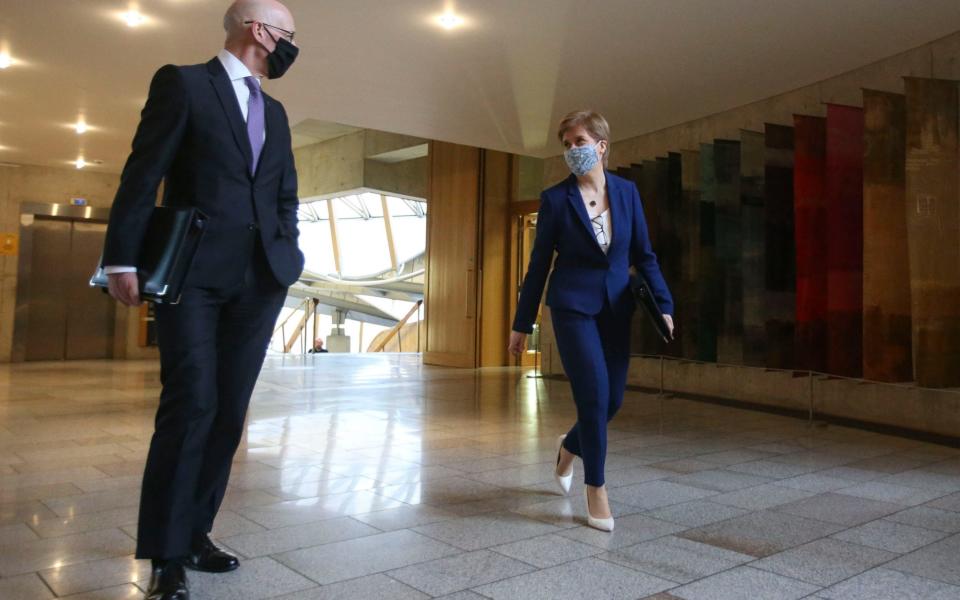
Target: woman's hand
669,320
518,343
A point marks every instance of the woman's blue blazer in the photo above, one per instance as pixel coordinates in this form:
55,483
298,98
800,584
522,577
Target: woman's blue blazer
583,276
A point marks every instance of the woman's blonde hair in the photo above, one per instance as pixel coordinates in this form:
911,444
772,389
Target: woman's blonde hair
593,122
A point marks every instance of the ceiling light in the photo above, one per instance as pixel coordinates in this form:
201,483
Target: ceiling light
5,60
80,163
133,17
81,126
450,20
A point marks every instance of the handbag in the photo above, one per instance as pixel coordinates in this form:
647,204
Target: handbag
169,246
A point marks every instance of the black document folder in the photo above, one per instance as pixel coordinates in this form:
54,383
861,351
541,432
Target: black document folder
644,297
171,241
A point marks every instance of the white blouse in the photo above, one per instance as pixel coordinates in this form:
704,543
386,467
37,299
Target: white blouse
601,229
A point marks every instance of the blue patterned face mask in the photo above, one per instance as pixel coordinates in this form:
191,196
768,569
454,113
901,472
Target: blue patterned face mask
581,159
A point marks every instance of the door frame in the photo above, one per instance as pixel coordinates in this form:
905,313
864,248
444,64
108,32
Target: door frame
29,211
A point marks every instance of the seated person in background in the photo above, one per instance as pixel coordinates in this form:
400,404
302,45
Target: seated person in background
318,346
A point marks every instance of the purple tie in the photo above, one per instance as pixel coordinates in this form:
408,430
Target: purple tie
254,120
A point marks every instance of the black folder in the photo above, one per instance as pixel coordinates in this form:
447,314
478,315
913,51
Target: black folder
644,297
169,245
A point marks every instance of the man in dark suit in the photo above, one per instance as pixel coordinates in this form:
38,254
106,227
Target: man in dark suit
221,145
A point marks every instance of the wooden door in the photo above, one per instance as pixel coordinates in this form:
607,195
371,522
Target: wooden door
452,234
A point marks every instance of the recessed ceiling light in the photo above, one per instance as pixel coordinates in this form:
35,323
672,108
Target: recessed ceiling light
80,163
133,17
450,20
81,126
5,59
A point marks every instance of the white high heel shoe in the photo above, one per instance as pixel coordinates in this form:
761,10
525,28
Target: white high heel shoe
601,524
563,481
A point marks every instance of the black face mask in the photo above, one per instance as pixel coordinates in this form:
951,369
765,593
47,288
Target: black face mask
281,58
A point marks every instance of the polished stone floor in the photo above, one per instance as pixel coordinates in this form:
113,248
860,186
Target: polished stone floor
371,476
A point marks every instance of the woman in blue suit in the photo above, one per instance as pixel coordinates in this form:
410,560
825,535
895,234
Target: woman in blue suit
594,222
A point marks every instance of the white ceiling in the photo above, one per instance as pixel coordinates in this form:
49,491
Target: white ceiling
500,82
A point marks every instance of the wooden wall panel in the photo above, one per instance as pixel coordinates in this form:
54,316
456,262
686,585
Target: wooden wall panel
752,149
810,140
729,249
495,312
887,330
843,189
933,229
689,325
452,234
780,281
709,288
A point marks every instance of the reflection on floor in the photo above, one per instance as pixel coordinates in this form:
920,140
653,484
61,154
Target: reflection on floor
372,476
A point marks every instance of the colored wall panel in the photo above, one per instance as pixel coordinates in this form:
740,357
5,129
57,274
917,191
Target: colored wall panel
729,249
933,229
810,140
843,190
638,329
887,330
671,246
688,328
780,281
709,285
752,148
653,195
650,194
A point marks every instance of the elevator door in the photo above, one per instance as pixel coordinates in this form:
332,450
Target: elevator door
67,318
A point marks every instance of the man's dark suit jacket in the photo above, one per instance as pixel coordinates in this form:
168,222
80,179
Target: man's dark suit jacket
193,137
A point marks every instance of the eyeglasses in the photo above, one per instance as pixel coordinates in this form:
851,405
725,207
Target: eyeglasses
287,33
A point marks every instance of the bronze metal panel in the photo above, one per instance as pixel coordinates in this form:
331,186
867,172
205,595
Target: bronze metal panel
46,298
90,313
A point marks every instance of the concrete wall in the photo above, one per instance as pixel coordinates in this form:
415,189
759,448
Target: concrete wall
330,166
343,165
408,178
939,59
901,406
49,185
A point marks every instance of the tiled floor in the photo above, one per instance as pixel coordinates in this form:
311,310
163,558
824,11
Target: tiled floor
374,477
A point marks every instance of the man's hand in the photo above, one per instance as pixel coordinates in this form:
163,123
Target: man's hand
518,343
125,288
669,320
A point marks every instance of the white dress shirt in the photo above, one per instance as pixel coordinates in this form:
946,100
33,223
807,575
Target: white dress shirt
236,71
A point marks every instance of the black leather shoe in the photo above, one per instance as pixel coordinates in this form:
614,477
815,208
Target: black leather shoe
207,557
168,581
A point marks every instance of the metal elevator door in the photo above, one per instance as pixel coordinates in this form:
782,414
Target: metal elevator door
67,318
